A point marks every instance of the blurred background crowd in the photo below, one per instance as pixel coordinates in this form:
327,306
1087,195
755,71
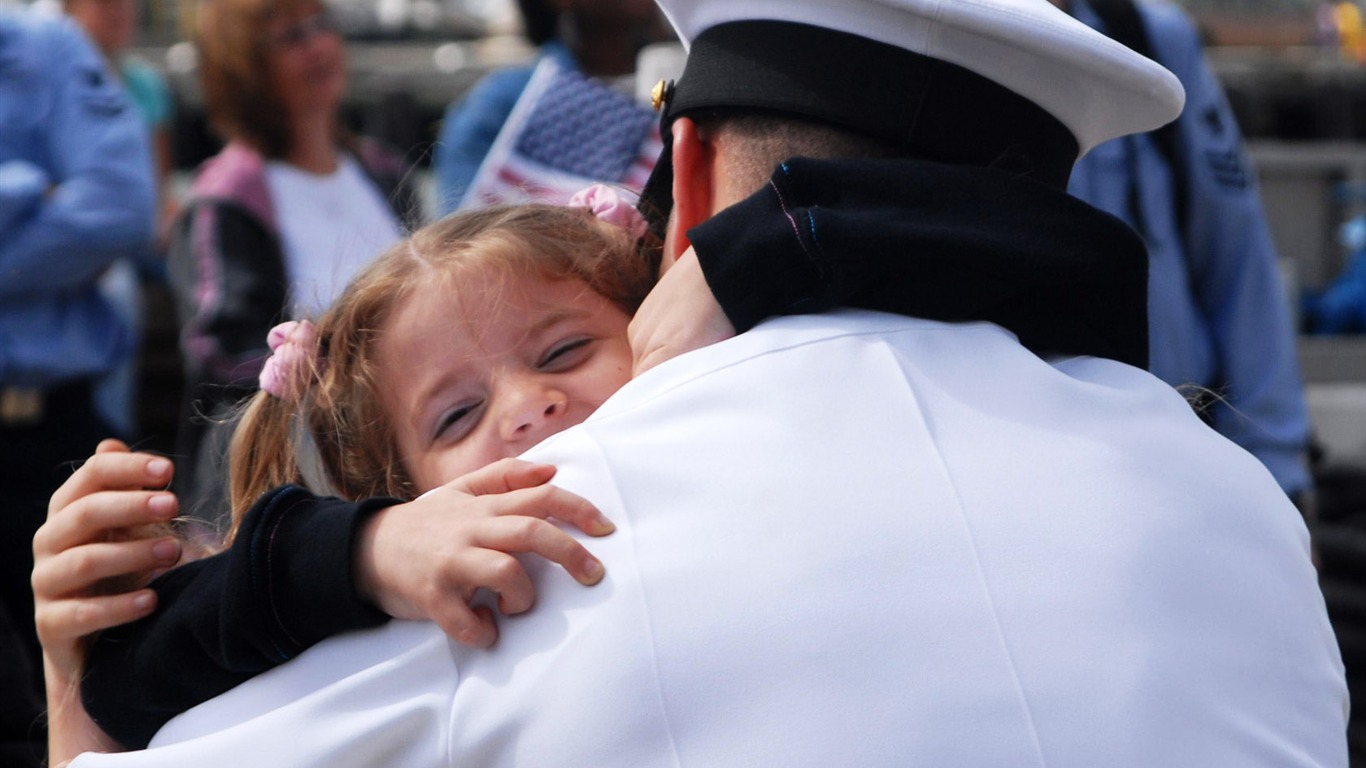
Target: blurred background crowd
255,162
1294,72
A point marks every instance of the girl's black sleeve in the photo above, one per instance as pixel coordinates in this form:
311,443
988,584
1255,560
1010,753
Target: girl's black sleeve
284,584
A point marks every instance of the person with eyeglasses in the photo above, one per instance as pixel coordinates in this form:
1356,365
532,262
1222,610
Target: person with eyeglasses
277,222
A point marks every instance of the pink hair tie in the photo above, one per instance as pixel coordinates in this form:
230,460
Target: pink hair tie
612,207
291,361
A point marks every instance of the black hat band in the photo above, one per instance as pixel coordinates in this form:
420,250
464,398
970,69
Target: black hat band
930,108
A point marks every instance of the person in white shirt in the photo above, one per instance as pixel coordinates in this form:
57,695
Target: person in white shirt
980,537
276,223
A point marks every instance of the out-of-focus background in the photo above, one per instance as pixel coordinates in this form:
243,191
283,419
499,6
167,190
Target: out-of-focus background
1294,70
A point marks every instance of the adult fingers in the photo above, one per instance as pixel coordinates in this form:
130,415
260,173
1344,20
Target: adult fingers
529,535
79,617
112,470
111,445
76,570
91,517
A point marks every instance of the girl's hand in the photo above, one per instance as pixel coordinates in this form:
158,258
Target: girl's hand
679,314
74,560
425,559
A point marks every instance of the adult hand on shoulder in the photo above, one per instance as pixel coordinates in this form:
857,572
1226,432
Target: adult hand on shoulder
75,556
426,559
679,315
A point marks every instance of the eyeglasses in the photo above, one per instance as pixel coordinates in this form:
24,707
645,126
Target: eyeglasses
303,30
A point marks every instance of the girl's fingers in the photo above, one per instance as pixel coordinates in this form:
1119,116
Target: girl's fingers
502,476
548,501
91,517
473,627
530,535
500,573
79,617
516,487
111,469
76,570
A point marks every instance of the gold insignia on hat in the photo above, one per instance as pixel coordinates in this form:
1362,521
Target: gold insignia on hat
659,94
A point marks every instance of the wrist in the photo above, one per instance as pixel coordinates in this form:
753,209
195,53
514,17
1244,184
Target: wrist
366,572
71,730
303,550
59,682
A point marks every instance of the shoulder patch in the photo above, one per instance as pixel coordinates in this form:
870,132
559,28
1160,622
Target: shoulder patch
98,93
1213,121
1227,167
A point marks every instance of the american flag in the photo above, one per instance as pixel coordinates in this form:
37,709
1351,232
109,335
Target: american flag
566,132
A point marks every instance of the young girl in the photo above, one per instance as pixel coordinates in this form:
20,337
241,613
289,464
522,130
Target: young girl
471,341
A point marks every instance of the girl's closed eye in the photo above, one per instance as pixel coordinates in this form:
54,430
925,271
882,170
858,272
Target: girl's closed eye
458,422
565,354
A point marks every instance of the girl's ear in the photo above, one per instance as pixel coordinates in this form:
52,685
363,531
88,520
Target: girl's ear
693,186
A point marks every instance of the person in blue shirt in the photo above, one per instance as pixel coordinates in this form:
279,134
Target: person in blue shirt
596,38
1218,313
112,26
76,193
1340,307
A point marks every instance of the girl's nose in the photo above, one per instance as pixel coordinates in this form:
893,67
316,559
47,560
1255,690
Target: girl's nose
533,411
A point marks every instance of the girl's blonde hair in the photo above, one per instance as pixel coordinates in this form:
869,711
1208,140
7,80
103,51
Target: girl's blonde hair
335,439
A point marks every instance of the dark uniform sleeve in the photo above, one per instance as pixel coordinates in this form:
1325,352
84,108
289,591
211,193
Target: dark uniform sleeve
758,263
285,584
795,247
910,238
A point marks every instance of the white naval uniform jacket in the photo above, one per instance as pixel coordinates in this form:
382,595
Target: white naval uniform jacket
857,540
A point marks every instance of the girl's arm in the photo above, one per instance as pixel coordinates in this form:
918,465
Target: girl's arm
426,558
285,584
288,581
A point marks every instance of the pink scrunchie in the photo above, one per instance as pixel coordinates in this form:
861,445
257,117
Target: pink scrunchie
292,347
609,205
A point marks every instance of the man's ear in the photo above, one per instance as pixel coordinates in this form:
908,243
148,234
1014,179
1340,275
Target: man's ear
693,186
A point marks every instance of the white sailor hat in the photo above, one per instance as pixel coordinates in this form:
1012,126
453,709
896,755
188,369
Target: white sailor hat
1016,84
